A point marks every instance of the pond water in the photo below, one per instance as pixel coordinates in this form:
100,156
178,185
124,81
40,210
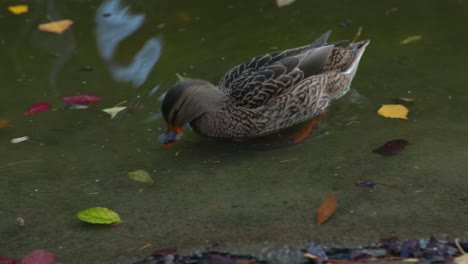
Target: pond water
239,193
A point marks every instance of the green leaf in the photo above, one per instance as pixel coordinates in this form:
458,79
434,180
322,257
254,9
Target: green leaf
140,176
98,215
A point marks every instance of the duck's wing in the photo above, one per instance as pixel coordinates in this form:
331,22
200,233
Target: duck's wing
255,82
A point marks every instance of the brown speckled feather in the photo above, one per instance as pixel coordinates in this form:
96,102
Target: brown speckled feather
270,92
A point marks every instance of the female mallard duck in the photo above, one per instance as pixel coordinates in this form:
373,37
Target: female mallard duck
265,94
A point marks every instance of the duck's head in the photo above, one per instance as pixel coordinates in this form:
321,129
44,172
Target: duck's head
185,102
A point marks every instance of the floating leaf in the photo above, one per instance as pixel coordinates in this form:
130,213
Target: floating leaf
18,9
282,3
113,111
326,209
410,39
98,215
81,99
140,176
4,123
391,148
57,26
393,111
37,108
18,140
39,256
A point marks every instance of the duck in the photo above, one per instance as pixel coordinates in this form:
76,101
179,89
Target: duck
265,94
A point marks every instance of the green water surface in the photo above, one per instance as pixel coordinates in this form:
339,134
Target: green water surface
238,193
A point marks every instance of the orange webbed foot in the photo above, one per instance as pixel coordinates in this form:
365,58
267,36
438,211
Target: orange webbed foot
303,133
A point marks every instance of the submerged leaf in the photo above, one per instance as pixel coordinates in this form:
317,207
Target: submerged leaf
140,176
18,140
326,209
18,9
181,78
410,39
370,184
113,111
81,99
392,147
404,100
8,261
393,111
281,3
4,123
37,108
57,26
39,256
98,215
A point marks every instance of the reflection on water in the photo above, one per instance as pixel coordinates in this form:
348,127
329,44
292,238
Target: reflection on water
114,23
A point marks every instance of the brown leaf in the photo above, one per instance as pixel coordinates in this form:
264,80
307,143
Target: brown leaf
4,123
326,209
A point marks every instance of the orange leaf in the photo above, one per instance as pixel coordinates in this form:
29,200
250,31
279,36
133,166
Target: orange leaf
4,123
326,209
57,26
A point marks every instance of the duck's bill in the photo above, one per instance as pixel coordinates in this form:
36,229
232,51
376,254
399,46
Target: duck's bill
172,135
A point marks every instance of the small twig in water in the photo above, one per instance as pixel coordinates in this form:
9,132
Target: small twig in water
358,34
17,162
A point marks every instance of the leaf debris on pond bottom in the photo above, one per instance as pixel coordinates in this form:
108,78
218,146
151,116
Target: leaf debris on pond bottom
410,39
140,176
391,147
326,209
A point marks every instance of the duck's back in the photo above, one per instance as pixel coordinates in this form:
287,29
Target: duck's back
255,82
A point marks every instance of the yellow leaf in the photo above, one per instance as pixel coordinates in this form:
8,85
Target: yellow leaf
57,26
393,111
113,111
18,9
410,39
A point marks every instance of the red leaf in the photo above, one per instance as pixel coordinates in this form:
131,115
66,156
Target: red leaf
36,108
39,256
81,99
7,261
